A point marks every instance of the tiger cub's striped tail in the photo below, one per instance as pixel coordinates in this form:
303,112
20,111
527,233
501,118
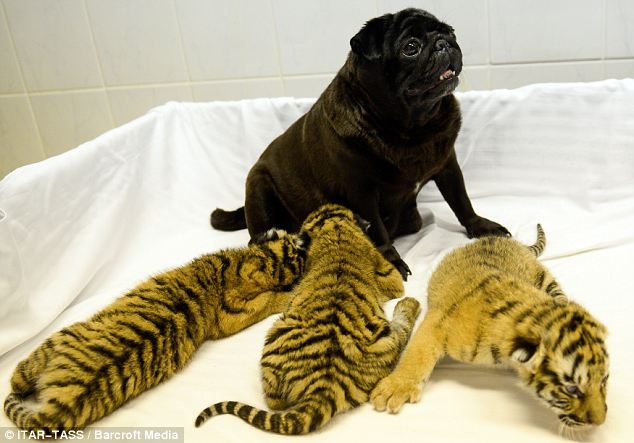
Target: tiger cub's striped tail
19,413
308,415
23,384
540,243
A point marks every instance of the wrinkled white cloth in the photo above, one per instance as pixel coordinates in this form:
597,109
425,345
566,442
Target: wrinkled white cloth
79,229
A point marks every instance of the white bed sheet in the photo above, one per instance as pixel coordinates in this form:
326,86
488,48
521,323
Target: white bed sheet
79,229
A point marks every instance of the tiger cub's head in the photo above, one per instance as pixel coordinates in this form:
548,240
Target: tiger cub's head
568,367
292,248
337,232
329,215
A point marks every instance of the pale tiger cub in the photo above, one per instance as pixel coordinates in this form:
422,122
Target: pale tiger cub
489,303
87,370
333,344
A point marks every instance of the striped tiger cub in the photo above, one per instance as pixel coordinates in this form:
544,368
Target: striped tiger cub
87,370
491,303
328,350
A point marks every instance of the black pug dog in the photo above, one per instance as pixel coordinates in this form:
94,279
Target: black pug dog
384,127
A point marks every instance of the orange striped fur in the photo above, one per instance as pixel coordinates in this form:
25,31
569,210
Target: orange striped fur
87,370
328,350
492,303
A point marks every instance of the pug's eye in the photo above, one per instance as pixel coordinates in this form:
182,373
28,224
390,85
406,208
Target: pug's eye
411,49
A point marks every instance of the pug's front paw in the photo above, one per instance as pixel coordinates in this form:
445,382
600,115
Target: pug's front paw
481,227
392,255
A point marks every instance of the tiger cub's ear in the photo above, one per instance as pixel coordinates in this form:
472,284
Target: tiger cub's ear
524,349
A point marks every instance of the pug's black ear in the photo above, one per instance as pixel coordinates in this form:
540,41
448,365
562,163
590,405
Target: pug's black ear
368,43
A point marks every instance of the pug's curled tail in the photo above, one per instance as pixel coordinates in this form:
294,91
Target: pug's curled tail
228,220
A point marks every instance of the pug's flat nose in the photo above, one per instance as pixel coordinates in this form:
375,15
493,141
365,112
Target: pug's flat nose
441,45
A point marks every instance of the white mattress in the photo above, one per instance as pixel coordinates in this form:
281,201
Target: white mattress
81,228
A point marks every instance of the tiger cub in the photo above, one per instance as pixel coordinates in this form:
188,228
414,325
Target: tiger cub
328,350
87,370
489,303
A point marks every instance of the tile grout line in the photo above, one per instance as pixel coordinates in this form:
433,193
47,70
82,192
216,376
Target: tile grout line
166,84
290,77
278,52
106,88
99,64
23,81
550,62
605,37
181,42
488,25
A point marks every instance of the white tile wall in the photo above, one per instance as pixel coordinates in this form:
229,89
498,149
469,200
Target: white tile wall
619,38
71,69
237,89
307,85
227,39
128,103
10,78
19,141
475,77
53,43
619,68
544,30
513,76
137,41
70,118
314,36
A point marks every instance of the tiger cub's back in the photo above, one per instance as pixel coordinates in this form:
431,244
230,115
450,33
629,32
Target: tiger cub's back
492,303
87,370
333,344
481,261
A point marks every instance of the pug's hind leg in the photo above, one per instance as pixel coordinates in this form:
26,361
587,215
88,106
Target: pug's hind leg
410,221
263,208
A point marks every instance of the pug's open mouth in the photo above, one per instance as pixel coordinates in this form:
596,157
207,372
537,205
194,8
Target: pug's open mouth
449,73
447,78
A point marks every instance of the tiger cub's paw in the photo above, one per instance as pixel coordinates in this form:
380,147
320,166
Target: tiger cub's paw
301,241
271,234
392,392
408,307
560,300
274,234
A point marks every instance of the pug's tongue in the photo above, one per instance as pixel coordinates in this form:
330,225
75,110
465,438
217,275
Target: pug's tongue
445,75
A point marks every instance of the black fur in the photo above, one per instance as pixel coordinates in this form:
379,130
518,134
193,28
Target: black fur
385,126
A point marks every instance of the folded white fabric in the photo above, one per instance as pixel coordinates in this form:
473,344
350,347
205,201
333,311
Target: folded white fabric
79,229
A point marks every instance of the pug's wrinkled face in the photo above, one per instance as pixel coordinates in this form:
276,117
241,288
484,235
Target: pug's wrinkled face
418,54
